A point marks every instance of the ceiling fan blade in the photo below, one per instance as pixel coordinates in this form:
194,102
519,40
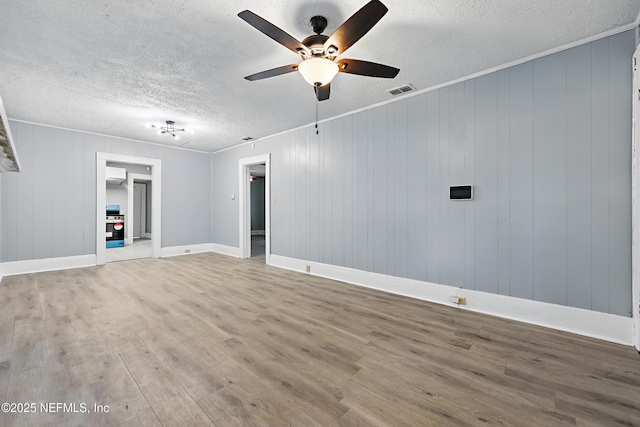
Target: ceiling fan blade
272,31
273,72
322,92
366,68
355,27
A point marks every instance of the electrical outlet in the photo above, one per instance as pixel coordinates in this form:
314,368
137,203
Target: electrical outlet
458,300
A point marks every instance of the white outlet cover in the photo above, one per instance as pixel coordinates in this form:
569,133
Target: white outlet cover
233,197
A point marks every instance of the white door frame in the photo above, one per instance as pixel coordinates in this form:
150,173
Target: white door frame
635,201
101,197
244,201
131,178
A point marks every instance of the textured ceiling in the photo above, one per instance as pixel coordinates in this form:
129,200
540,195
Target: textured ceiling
111,66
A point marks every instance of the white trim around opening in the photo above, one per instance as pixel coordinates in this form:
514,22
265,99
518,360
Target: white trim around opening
635,201
244,201
156,191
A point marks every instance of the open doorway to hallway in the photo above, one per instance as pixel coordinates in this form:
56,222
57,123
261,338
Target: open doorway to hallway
254,207
257,197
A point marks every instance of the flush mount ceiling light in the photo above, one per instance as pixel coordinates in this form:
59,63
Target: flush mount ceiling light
169,127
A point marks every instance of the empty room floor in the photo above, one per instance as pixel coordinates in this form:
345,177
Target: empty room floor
207,339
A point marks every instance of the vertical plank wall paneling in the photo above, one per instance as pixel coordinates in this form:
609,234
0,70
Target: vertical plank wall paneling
469,178
549,179
432,187
378,233
545,143
416,194
399,114
48,209
338,185
504,182
349,192
456,216
600,175
444,220
486,181
579,166
620,154
521,180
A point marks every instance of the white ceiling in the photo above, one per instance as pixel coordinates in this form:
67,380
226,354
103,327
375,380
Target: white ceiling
111,66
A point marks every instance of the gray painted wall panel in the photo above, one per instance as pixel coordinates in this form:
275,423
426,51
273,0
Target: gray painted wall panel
486,181
469,179
315,177
456,209
326,139
361,215
402,201
417,188
504,183
371,175
521,178
600,175
433,187
349,195
380,215
579,177
286,204
445,222
390,186
549,179
224,178
620,173
24,200
42,195
337,193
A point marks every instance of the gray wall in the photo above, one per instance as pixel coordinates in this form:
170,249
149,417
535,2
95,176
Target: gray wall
257,204
547,145
48,209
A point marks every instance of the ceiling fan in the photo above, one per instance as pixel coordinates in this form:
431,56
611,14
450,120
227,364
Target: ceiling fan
319,52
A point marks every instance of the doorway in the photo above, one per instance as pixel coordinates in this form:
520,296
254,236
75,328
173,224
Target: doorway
250,238
257,210
152,178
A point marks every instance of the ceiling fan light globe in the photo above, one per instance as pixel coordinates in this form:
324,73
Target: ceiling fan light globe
318,71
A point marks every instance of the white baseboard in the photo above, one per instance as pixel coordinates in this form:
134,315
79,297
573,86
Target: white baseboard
147,235
184,250
225,250
589,323
47,264
258,232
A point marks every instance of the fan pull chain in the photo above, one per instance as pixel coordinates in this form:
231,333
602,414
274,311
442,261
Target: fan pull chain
317,104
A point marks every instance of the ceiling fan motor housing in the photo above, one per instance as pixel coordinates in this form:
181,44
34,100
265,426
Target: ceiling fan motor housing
315,43
318,23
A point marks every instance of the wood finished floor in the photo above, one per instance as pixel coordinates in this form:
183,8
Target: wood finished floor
211,340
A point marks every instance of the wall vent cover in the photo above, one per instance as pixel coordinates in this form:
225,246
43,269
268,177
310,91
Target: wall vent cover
402,89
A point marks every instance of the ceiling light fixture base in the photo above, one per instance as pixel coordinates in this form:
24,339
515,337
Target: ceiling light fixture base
170,128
